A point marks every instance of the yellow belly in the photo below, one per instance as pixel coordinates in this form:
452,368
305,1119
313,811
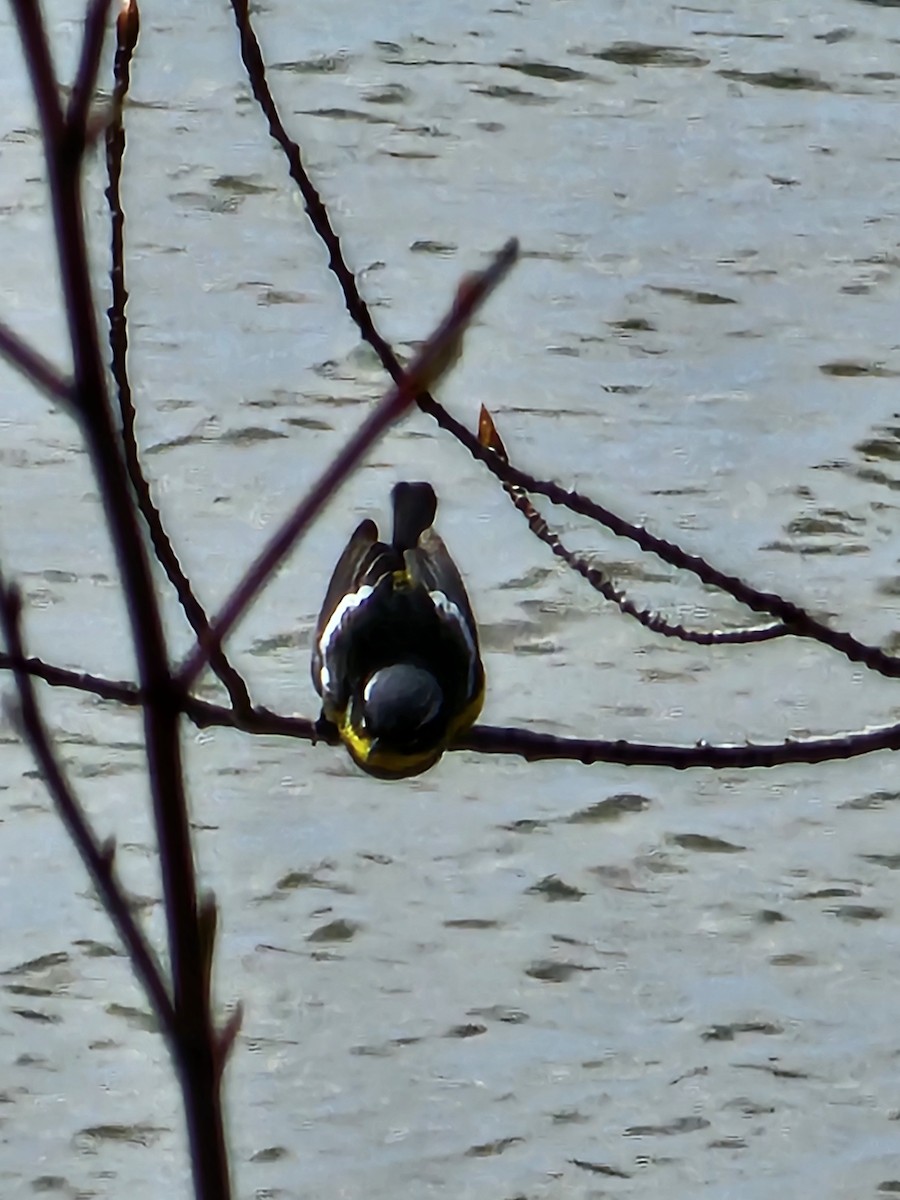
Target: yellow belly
388,764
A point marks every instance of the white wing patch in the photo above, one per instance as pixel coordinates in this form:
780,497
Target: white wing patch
448,611
342,612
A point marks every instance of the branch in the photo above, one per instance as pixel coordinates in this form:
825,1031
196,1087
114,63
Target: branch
436,356
802,623
40,66
600,581
251,56
88,67
537,747
489,739
99,858
196,1047
127,30
119,690
32,364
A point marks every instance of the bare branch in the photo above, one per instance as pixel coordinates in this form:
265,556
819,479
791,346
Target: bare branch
251,56
40,66
194,1049
537,747
524,743
98,857
127,27
32,364
434,358
802,623
598,579
89,64
120,690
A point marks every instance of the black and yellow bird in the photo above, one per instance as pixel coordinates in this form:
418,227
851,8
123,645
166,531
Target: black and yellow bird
396,658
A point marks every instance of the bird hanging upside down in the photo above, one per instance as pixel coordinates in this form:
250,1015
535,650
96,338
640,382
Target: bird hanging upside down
396,657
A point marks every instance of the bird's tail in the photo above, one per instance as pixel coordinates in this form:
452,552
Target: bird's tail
414,507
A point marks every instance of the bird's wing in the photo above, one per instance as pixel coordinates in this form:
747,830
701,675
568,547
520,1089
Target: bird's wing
347,576
431,565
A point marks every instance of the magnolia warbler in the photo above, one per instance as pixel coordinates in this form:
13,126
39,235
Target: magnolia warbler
396,658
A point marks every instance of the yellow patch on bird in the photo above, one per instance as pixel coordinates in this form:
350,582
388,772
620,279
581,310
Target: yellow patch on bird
467,718
388,764
385,763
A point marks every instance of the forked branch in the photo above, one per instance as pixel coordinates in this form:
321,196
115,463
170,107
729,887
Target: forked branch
127,30
195,1045
799,622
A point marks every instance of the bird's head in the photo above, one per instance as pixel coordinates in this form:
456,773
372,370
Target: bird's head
395,725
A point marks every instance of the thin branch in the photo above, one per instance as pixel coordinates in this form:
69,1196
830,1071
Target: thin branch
600,581
436,356
649,618
523,743
98,857
802,623
88,66
127,30
37,369
535,747
40,66
119,690
195,1051
252,58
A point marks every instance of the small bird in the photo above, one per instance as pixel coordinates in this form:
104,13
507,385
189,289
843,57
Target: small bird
395,657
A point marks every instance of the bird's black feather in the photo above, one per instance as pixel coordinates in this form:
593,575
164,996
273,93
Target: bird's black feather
396,656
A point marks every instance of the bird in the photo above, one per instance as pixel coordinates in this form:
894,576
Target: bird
395,657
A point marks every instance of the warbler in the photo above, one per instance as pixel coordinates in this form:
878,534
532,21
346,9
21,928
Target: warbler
396,658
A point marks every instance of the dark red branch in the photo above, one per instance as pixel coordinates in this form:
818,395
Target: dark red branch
32,364
488,739
88,66
99,858
489,437
435,357
195,1048
127,28
802,623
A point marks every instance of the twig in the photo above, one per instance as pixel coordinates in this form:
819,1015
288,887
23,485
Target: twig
196,1049
99,858
88,66
535,747
127,30
600,581
435,357
252,58
523,743
119,690
32,364
802,623
40,67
